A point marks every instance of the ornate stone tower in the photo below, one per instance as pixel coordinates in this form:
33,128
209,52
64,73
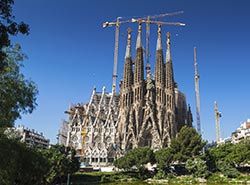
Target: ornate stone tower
136,117
126,93
160,90
170,94
159,73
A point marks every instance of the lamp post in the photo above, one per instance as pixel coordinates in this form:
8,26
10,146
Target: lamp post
68,176
68,179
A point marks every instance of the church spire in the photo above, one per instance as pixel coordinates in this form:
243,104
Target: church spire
138,90
138,70
168,53
170,93
159,70
159,45
169,66
126,97
138,41
128,48
128,71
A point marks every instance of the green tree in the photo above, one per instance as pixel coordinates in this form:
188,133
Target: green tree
21,165
17,95
219,158
123,163
187,144
210,161
227,169
197,167
240,153
138,158
141,156
62,161
8,27
221,152
226,158
164,158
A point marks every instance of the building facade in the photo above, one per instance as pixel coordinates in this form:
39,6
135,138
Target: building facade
152,110
63,133
31,137
93,128
241,133
148,111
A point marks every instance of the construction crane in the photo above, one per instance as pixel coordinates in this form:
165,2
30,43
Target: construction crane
117,30
197,92
217,122
148,20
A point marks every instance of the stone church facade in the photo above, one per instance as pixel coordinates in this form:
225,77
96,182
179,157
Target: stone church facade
147,111
151,110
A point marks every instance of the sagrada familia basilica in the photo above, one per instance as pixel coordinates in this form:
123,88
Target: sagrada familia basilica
149,110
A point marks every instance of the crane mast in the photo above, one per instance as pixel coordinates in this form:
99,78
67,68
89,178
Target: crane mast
117,24
114,76
217,122
197,92
146,20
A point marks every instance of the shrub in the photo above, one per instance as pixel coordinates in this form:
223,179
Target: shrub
227,170
197,167
160,175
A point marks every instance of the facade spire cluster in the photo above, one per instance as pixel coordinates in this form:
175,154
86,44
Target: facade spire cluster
152,117
147,111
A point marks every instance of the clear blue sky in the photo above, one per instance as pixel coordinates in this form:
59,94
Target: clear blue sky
69,53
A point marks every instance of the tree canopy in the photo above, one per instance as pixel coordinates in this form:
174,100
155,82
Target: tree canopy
164,158
226,158
187,144
17,94
8,27
21,165
197,167
30,166
137,157
185,156
62,161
